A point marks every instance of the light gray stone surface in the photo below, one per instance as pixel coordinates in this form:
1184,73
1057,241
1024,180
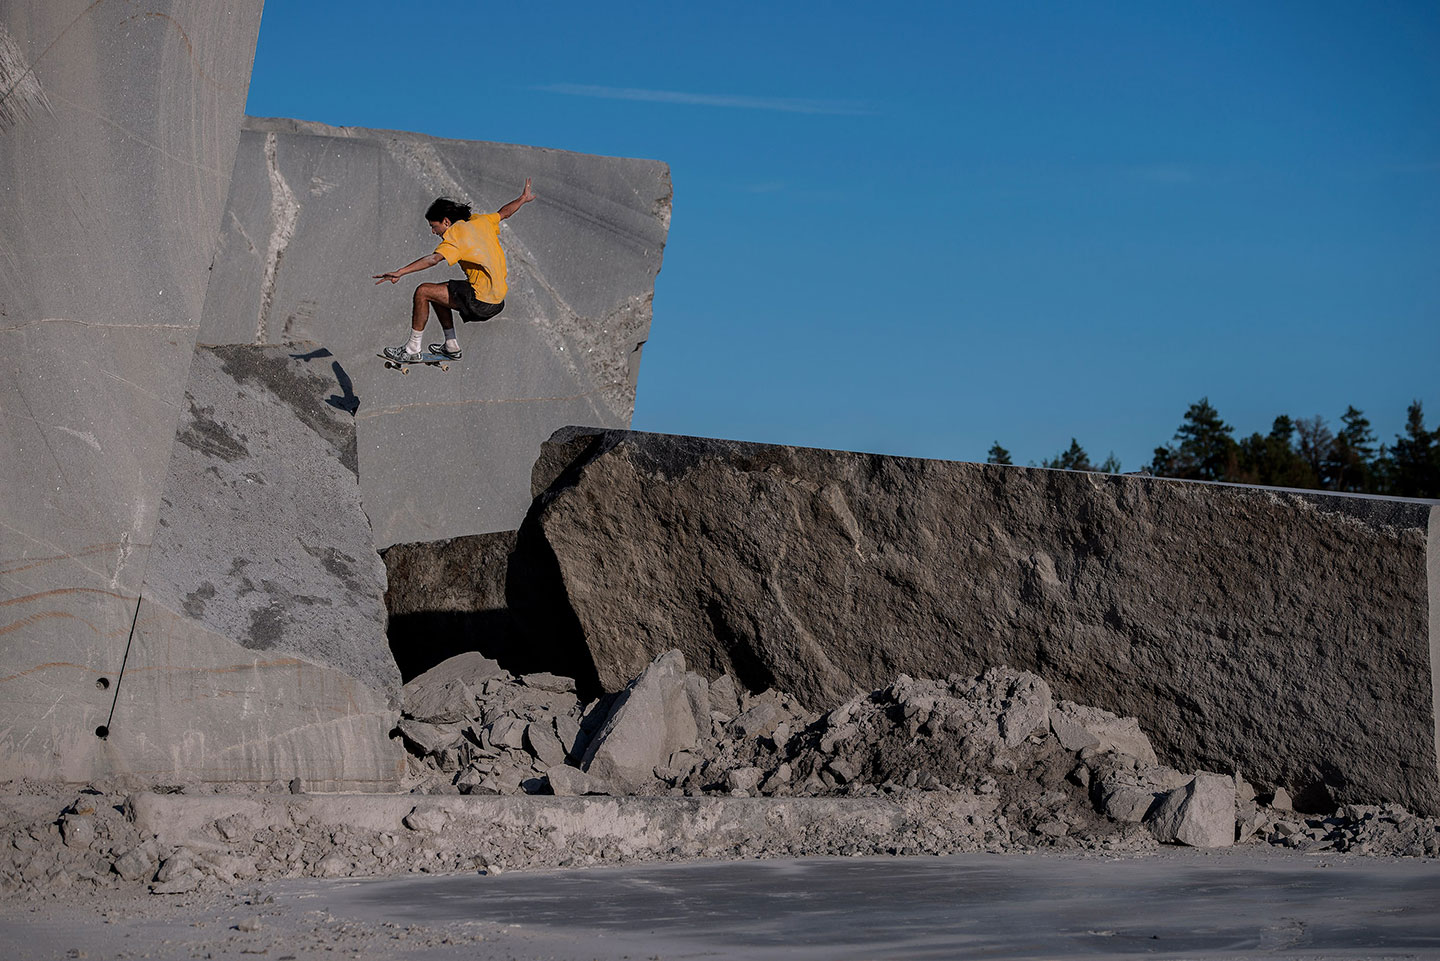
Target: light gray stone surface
1284,634
1079,727
315,211
260,650
446,693
118,130
662,711
1200,814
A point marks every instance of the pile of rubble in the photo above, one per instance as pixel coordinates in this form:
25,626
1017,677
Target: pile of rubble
989,763
1053,774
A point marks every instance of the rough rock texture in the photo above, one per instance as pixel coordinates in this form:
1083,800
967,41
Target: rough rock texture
1285,634
314,211
118,130
259,650
447,597
920,767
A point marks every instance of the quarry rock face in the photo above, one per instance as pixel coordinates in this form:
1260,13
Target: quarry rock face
315,211
1289,635
137,221
117,136
259,651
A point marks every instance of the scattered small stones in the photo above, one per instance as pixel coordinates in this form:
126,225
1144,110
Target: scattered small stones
988,763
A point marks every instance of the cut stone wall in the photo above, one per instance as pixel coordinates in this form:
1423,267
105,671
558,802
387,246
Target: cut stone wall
315,211
260,651
258,648
1287,635
118,131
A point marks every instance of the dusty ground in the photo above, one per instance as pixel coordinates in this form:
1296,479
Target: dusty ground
1238,903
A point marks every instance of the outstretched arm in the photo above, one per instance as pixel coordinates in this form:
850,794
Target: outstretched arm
525,197
429,260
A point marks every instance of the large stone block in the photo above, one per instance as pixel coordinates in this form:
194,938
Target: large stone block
315,211
448,597
260,649
118,129
1290,635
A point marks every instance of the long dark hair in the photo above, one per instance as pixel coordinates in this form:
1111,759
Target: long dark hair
446,209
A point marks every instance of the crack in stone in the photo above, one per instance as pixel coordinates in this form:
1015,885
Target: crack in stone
139,139
379,412
86,323
284,214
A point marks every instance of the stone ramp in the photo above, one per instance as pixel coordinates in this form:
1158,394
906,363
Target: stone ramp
1286,635
314,211
117,136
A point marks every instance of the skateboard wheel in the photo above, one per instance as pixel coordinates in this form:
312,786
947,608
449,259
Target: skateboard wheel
404,370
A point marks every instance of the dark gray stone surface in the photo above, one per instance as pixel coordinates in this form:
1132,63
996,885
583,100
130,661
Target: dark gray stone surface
315,211
263,579
118,129
447,597
1289,636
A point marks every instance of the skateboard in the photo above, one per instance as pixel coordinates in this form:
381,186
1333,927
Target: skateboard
429,360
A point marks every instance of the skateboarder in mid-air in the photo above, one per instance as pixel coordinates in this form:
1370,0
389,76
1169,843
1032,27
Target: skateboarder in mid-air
473,243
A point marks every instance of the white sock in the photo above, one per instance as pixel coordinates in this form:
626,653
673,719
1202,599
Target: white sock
414,345
450,342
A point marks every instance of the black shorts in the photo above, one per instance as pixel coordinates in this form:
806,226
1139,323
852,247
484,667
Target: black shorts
462,296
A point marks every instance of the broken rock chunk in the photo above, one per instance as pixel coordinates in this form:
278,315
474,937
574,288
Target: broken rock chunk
542,742
662,711
1200,814
446,693
553,683
1079,727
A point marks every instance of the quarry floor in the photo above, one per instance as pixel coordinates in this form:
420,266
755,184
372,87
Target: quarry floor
1174,903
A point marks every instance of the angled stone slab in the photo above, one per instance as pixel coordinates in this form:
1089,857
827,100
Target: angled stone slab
118,130
1289,635
315,211
260,650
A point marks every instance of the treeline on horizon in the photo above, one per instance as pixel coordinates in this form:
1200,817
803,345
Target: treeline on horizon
1303,453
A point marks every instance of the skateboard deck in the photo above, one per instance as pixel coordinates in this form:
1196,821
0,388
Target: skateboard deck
429,360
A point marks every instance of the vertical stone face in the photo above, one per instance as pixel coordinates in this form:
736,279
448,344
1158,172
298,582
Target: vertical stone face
118,130
260,650
315,211
1289,635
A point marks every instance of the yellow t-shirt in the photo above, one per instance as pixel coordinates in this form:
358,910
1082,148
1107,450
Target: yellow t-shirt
475,245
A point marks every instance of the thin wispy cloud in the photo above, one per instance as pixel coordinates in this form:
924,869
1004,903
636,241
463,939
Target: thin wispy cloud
735,101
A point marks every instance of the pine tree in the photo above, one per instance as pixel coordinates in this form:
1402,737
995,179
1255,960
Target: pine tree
998,455
1315,443
1203,448
1415,457
1348,465
1074,458
1271,459
1111,464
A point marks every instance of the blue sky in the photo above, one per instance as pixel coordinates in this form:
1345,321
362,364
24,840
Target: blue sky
918,228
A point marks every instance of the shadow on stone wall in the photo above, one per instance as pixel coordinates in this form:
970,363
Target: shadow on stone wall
448,597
